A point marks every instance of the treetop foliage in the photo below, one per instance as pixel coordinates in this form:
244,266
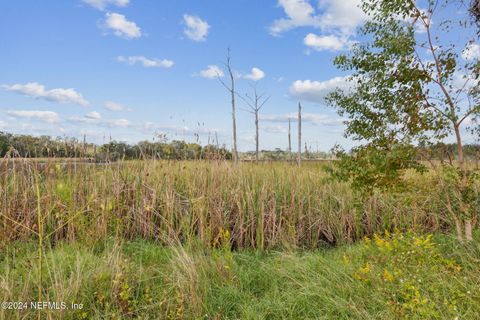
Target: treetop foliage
410,84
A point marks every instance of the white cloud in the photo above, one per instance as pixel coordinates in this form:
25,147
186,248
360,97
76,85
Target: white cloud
121,26
84,119
196,29
341,16
118,123
114,106
464,82
299,14
338,16
36,90
146,62
315,91
330,43
313,118
255,75
95,118
471,52
46,116
3,125
274,128
212,72
102,4
149,127
336,19
94,115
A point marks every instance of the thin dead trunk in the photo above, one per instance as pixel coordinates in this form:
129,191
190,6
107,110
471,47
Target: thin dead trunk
256,103
256,137
299,156
231,90
234,118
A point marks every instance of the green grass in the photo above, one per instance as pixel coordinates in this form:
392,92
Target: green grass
210,240
399,276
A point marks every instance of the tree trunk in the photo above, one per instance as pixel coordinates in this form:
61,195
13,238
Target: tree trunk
231,89
256,137
299,156
467,222
459,229
468,230
458,137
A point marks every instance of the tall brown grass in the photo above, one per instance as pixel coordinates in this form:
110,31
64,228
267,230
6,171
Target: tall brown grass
262,206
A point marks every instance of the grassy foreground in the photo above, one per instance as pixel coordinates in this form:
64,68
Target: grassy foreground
209,240
393,276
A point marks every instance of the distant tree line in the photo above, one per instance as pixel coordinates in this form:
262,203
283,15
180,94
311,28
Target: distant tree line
284,155
28,146
447,151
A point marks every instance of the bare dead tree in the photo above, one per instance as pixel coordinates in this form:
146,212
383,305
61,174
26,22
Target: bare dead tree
231,90
256,103
299,156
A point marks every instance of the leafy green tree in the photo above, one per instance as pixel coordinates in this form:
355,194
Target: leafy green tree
414,80
4,143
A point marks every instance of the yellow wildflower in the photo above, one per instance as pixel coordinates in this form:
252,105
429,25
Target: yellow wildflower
387,276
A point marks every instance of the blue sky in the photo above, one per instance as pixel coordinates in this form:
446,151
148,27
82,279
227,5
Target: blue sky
132,68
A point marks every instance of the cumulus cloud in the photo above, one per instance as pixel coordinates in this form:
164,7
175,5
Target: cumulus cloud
45,116
471,52
196,29
102,4
114,106
316,91
336,19
313,118
36,90
93,115
329,43
212,72
341,16
255,74
121,26
146,62
299,13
